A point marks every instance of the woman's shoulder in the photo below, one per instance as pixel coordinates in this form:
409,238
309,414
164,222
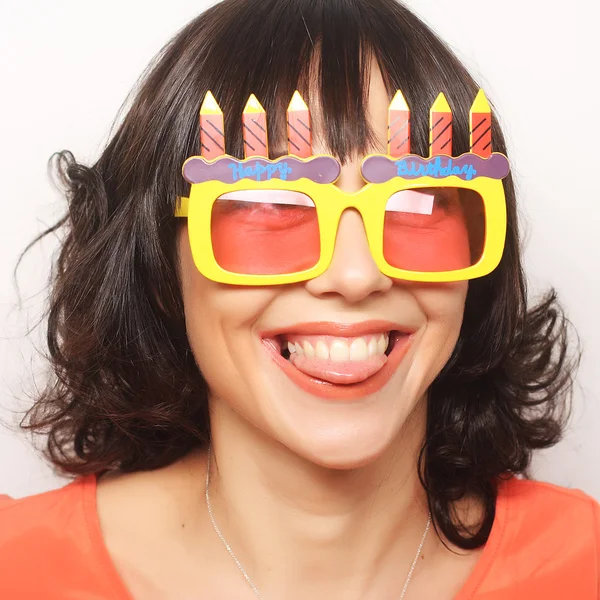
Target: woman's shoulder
46,549
41,516
538,501
546,541
550,516
541,491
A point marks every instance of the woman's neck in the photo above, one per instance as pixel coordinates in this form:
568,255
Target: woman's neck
291,522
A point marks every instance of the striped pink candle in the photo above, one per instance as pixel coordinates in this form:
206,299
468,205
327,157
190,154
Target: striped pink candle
481,126
440,133
255,129
212,131
399,127
299,130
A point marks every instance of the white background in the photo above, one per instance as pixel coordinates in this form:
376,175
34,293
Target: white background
67,66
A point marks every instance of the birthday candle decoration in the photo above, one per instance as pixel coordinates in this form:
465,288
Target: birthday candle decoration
440,134
299,131
481,126
398,127
212,131
255,129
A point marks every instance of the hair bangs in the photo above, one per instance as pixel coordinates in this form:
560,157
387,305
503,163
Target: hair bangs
324,49
271,49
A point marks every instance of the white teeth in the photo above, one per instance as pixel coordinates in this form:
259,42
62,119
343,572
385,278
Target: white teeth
359,350
309,351
321,350
382,344
373,347
342,349
339,351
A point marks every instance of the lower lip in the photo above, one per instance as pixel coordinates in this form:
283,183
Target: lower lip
331,391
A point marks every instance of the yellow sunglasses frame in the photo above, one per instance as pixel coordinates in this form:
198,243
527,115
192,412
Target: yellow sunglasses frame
330,203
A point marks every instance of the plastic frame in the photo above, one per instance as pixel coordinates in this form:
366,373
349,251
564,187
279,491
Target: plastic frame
330,202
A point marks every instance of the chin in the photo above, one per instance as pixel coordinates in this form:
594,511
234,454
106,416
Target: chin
343,444
347,456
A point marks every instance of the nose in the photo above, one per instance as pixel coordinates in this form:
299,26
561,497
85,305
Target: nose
352,274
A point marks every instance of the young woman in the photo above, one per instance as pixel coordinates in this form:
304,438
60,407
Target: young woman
272,385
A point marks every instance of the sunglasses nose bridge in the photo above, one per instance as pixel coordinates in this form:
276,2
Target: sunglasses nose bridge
352,201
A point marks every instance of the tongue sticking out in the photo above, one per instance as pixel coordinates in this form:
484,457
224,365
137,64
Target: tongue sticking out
344,373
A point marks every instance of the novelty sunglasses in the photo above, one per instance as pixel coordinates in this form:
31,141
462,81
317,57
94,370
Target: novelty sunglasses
262,222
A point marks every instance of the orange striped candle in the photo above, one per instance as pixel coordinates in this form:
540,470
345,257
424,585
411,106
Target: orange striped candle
440,133
255,129
481,126
399,127
212,131
299,131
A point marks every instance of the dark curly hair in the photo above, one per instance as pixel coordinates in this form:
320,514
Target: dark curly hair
126,392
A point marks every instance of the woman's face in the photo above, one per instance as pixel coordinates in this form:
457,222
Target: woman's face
345,410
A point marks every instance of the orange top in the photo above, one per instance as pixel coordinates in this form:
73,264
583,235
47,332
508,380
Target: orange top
544,544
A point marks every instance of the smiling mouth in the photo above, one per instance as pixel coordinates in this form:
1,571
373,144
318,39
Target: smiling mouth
336,366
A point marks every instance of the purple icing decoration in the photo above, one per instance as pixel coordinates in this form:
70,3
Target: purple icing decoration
322,169
380,168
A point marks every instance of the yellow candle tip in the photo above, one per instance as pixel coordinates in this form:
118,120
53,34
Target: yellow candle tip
253,105
297,104
481,104
210,106
441,105
399,102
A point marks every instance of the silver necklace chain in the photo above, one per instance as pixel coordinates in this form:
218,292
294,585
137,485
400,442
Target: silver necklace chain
243,571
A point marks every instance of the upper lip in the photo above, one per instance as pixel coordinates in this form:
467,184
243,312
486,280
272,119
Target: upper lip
338,329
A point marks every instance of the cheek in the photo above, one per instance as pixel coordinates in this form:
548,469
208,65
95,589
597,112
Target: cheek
443,305
220,321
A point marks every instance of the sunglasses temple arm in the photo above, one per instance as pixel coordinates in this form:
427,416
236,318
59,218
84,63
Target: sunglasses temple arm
182,206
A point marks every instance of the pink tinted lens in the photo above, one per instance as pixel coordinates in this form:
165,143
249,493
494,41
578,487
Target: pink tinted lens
434,229
265,232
